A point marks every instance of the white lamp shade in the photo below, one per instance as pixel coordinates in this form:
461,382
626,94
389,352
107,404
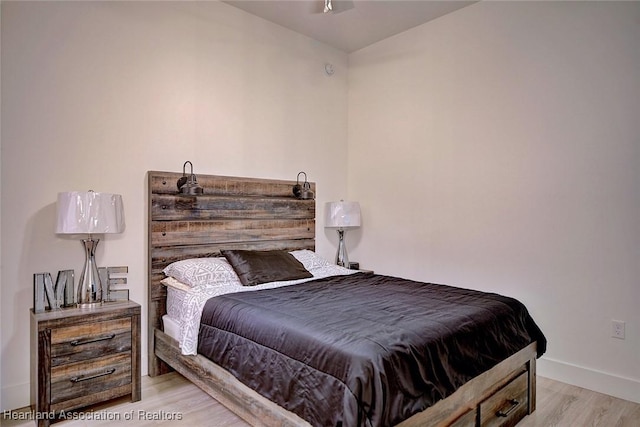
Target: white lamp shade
89,213
342,215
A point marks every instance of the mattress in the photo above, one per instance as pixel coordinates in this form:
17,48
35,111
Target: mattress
171,326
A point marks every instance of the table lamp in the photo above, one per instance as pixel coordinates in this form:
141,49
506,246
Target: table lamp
342,216
89,213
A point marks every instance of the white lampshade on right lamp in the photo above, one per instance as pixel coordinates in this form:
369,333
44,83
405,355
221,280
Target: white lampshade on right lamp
342,216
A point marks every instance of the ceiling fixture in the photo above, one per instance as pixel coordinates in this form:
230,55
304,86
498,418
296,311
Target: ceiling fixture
337,6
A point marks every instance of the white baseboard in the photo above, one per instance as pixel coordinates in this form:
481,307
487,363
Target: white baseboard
15,397
602,382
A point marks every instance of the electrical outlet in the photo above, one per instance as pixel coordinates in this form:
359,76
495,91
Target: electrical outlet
617,329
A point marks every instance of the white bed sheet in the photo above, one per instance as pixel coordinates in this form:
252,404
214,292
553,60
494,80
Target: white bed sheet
171,326
185,304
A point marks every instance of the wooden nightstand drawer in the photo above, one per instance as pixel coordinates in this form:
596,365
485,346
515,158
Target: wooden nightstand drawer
83,379
82,342
84,356
507,406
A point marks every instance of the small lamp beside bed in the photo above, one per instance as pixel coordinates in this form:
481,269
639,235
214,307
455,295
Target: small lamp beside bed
342,216
89,213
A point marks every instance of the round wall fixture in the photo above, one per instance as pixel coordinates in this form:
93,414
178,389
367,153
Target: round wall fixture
328,68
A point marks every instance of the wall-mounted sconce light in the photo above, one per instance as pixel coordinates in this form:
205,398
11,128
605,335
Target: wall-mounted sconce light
303,191
188,184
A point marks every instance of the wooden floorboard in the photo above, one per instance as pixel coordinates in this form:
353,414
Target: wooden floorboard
560,404
171,400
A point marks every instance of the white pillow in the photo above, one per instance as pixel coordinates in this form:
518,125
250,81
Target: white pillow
202,271
309,259
176,284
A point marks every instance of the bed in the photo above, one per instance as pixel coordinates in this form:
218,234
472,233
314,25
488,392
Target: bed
247,214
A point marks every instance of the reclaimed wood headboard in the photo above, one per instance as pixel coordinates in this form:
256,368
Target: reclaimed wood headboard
233,213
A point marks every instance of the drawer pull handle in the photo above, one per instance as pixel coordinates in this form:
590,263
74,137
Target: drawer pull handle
514,404
81,342
90,377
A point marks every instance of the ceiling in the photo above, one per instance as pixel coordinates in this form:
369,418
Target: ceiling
353,24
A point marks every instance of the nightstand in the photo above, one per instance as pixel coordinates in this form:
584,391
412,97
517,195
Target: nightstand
83,356
362,270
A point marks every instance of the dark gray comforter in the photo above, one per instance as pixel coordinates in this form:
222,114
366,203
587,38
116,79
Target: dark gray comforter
362,350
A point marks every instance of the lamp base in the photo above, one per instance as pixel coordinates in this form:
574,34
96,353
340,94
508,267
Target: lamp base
89,286
342,259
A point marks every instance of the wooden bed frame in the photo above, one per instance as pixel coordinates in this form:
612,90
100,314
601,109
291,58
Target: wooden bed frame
263,214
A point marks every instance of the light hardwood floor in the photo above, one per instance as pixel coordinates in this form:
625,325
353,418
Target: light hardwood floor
172,400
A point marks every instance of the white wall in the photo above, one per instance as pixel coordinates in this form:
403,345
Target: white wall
498,148
95,94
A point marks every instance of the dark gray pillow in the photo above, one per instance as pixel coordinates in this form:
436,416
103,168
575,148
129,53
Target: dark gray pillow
256,267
